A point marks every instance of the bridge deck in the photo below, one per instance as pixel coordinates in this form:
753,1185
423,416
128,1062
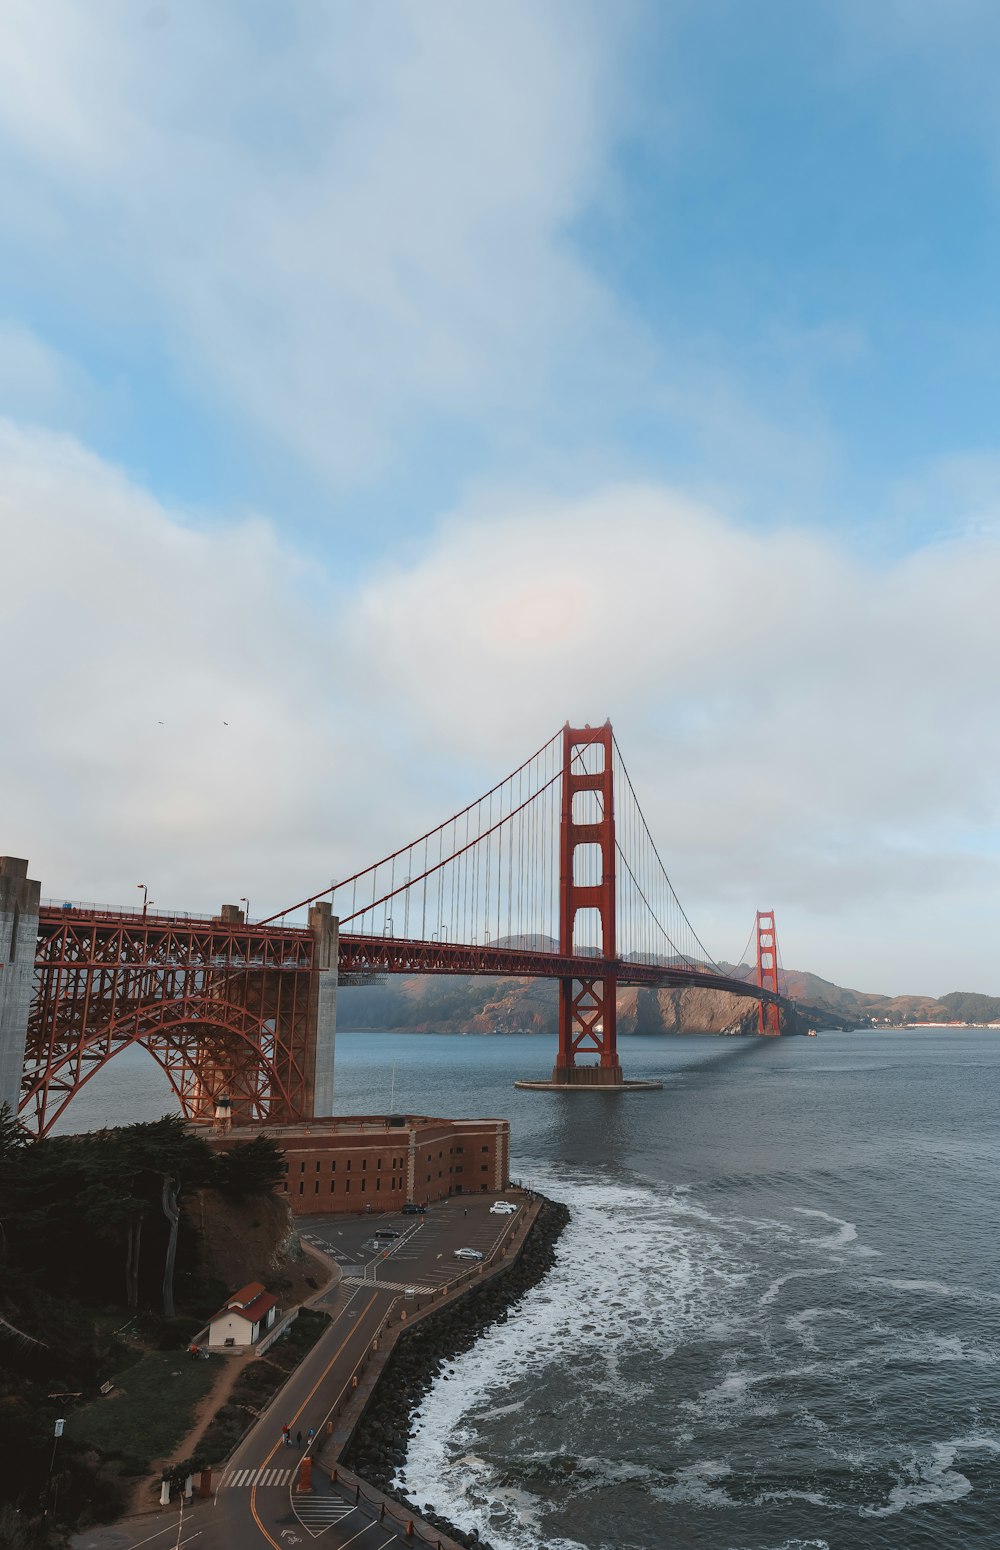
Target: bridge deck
156,939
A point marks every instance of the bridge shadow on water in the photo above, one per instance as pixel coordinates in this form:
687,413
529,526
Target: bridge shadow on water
615,1131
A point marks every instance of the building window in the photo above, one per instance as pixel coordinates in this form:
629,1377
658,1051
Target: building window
364,1162
347,1186
484,1167
284,1167
318,1166
379,1163
364,1183
459,1168
302,1187
348,1165
458,1148
333,1166
484,1148
378,1183
302,1167
317,1186
333,1185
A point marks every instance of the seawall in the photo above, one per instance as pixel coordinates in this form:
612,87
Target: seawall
377,1445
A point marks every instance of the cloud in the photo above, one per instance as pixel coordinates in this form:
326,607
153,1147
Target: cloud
801,725
805,730
37,381
131,639
348,222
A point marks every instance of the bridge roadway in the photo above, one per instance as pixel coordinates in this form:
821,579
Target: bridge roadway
158,941
255,1504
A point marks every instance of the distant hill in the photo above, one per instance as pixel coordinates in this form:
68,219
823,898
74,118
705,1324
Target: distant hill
471,1004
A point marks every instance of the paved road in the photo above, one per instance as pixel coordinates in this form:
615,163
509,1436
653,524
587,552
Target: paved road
255,1502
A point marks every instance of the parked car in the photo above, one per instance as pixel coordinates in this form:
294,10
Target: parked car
410,1209
387,1232
503,1208
468,1254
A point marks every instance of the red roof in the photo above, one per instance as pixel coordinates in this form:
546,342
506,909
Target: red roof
246,1294
251,1302
253,1310
256,1310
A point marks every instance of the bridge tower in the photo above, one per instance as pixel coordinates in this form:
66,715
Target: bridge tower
769,1017
587,1007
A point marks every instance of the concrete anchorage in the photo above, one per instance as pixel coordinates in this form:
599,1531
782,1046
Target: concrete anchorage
19,901
325,928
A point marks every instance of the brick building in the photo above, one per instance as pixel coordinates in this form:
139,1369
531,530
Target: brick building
359,1162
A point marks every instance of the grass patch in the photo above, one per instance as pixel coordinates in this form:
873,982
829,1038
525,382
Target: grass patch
153,1411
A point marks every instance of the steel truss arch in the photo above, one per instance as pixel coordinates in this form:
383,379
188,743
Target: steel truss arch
199,1070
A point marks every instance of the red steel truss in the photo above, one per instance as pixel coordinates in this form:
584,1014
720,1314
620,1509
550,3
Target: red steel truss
224,1008
227,1009
233,1010
373,955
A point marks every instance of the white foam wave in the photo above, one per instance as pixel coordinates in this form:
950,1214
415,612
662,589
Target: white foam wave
641,1272
696,1483
791,1275
934,1478
935,1289
791,1544
803,1324
846,1233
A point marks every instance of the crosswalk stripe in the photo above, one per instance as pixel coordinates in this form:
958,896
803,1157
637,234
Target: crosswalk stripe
262,1477
322,1509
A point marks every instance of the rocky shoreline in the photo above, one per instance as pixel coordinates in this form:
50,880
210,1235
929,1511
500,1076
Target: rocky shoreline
378,1446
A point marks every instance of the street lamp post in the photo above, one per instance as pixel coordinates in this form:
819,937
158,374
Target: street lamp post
145,897
246,916
57,1432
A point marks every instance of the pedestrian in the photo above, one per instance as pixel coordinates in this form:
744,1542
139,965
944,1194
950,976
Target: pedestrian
298,1439
312,1433
286,1432
465,1211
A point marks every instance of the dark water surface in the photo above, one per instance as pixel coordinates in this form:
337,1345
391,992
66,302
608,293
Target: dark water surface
775,1317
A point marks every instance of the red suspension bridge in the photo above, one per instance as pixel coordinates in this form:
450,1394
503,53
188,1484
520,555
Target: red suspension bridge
552,873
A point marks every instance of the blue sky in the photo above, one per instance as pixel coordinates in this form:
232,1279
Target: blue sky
413,377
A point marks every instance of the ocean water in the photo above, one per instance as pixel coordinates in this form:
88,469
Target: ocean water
774,1321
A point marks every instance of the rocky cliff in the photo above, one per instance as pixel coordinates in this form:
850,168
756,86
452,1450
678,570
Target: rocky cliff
470,1005
251,1240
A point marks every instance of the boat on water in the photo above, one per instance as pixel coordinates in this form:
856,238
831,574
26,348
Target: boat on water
810,1033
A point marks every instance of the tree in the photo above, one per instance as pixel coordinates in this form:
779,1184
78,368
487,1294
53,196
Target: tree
250,1167
178,1160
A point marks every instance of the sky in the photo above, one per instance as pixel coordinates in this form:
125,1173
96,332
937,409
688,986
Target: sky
384,385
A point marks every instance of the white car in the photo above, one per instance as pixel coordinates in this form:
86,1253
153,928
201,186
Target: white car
503,1208
468,1254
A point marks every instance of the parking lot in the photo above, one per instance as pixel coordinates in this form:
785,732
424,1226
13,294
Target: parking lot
423,1254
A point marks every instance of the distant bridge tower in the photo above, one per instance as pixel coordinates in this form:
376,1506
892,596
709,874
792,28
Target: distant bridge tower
769,1017
587,1006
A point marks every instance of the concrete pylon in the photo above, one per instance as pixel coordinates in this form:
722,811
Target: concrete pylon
325,928
19,899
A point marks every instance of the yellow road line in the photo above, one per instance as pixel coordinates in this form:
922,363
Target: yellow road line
253,1490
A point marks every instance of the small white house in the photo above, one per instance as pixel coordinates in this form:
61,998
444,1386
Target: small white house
248,1314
